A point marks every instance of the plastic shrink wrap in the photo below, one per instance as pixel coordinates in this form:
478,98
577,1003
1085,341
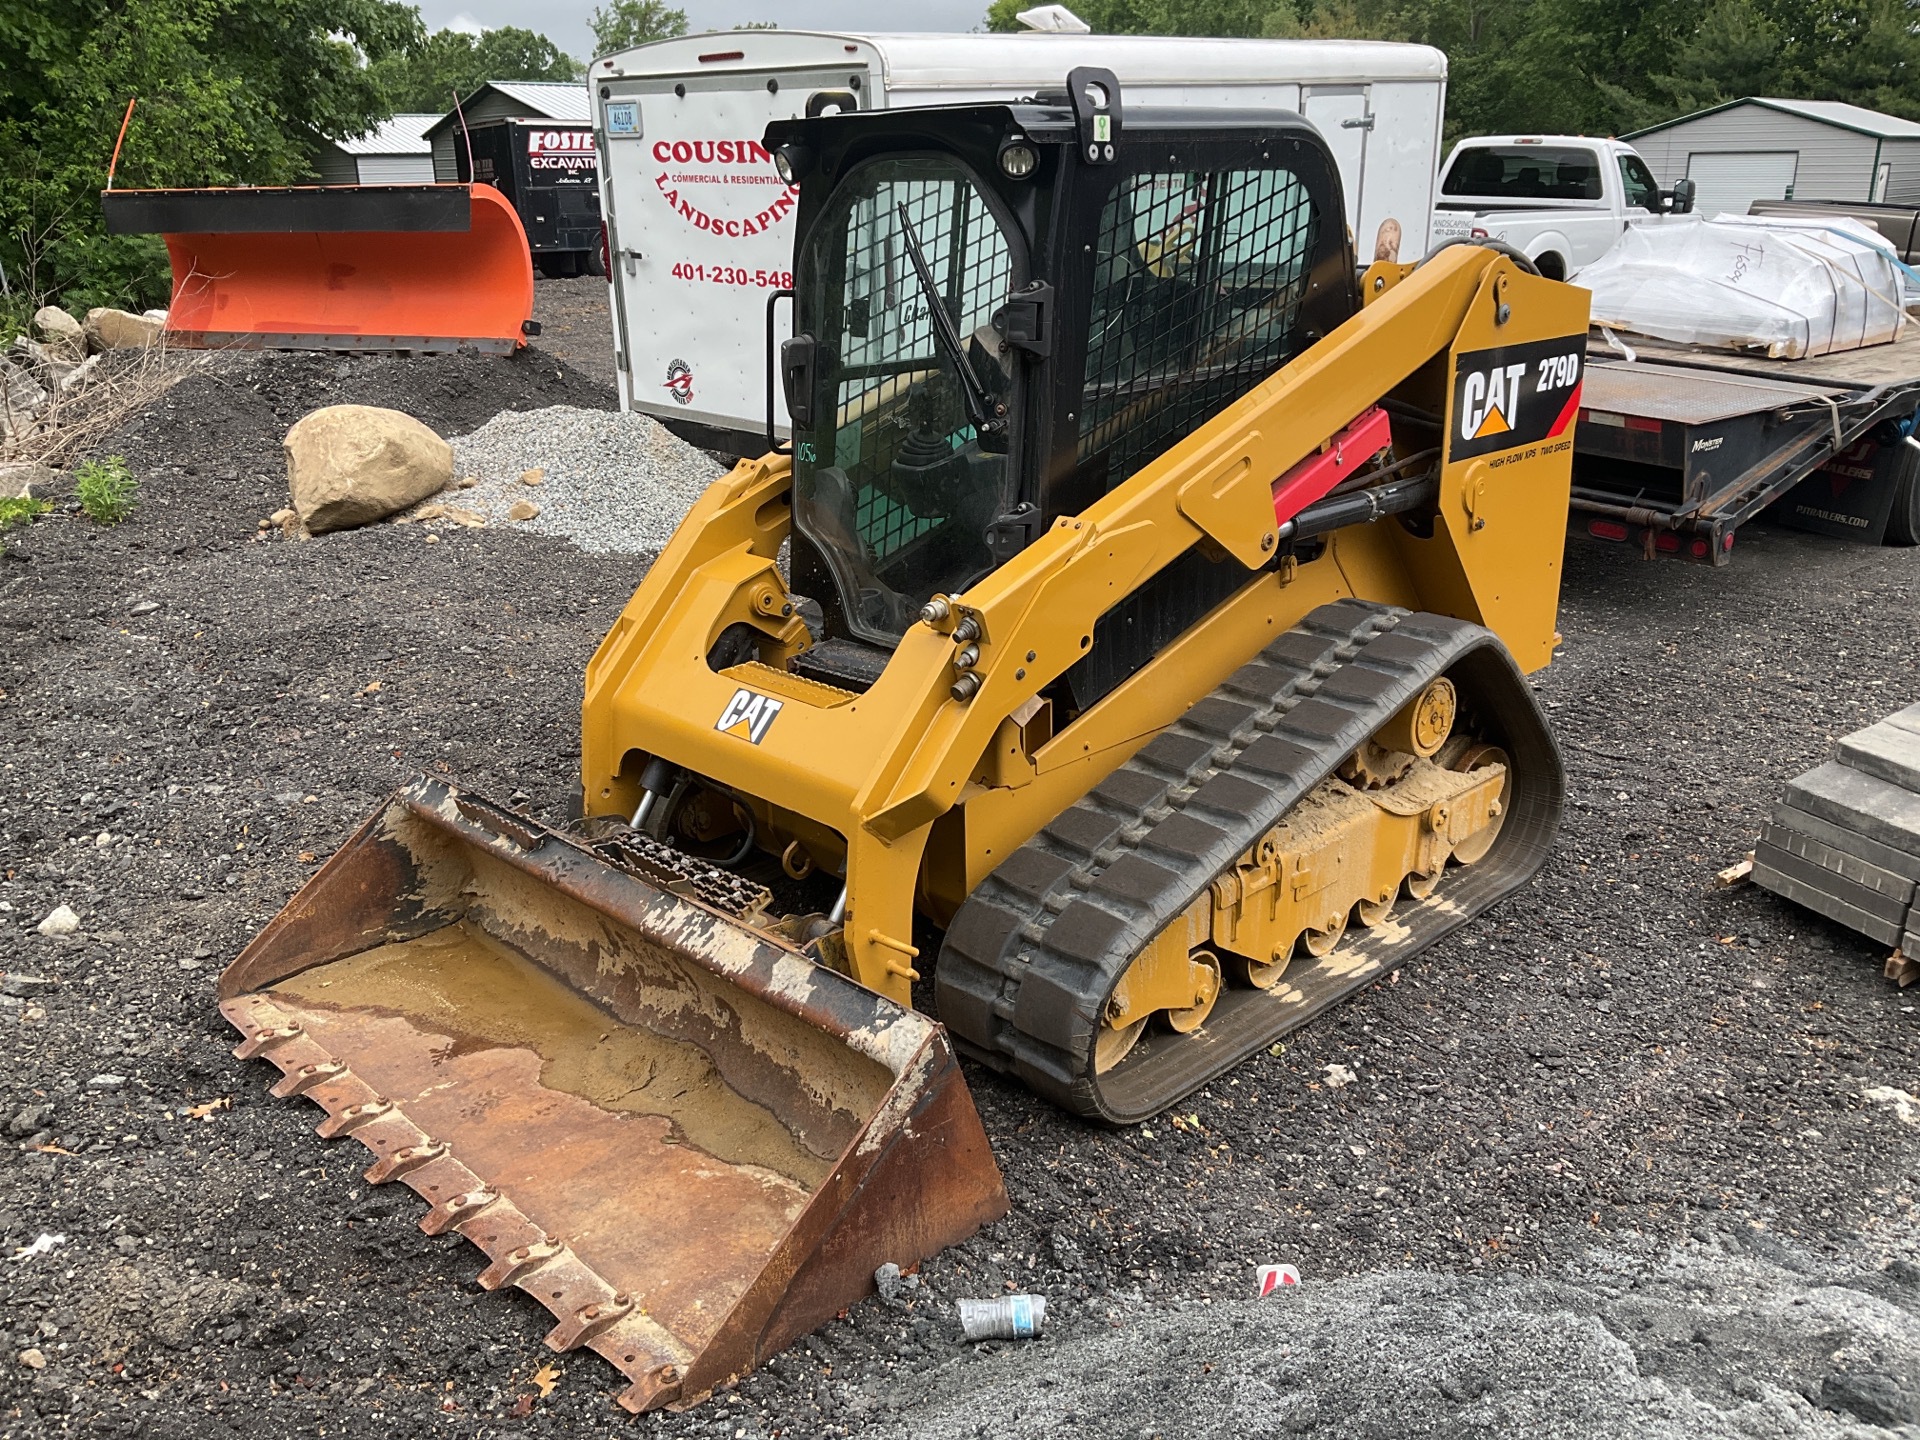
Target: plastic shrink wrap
1788,288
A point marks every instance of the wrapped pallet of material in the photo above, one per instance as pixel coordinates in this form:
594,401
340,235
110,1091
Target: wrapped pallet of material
1784,288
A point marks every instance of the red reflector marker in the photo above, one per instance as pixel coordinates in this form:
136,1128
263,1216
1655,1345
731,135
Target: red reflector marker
1606,530
1640,422
723,55
1668,541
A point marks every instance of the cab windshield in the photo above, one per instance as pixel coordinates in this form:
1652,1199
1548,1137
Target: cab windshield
891,480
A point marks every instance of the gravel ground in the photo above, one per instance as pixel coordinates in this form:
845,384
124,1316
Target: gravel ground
576,324
607,481
1707,1342
1620,1079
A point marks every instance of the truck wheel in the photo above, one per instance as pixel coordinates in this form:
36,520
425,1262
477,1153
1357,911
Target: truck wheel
1903,525
1551,266
595,266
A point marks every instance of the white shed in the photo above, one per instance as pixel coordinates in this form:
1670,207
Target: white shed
564,100
1758,149
395,153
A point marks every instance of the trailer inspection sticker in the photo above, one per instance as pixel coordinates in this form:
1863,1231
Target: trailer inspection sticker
1516,395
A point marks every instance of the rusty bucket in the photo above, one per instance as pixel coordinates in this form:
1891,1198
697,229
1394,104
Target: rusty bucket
683,1137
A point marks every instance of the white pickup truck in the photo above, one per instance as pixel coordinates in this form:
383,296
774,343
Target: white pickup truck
1562,200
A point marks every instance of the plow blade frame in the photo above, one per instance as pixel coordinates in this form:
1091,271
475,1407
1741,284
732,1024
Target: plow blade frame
339,267
484,1004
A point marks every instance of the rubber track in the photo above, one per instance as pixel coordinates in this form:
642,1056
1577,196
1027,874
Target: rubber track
1033,954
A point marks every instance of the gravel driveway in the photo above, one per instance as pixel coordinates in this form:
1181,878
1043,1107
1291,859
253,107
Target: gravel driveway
1606,1167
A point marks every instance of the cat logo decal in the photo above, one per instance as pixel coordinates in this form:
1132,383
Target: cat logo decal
1515,396
749,716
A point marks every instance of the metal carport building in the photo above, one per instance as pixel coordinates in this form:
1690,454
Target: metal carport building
562,101
1758,149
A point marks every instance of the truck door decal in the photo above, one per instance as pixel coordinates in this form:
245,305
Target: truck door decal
1515,395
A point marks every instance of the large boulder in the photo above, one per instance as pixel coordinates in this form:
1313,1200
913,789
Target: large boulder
78,377
108,329
349,465
60,333
48,364
21,396
27,481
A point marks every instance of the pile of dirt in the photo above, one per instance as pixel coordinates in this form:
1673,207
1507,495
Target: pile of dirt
1619,1056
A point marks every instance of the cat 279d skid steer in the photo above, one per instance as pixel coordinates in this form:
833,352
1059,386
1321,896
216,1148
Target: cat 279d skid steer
1145,675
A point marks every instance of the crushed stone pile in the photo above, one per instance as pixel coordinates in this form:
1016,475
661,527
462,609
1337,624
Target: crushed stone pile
1738,1338
607,481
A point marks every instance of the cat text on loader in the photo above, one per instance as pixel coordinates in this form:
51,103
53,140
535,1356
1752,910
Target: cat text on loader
1148,678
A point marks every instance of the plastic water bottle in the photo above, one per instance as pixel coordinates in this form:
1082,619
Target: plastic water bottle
1012,1317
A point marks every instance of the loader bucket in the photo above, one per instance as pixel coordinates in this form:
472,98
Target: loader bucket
339,267
687,1140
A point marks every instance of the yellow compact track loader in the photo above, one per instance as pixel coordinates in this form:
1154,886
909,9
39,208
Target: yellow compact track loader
1124,662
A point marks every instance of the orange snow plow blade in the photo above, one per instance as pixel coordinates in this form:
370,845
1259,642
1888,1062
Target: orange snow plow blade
339,267
674,1130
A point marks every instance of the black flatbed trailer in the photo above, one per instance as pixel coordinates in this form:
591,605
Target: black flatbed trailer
1678,446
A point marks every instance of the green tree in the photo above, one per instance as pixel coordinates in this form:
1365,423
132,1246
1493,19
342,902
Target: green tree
623,23
1593,66
1159,17
425,75
1735,51
230,92
1865,51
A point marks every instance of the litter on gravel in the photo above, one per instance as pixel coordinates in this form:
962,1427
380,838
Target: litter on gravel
45,1245
610,482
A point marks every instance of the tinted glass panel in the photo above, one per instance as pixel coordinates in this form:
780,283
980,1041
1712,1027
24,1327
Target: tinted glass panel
1641,188
889,481
1524,172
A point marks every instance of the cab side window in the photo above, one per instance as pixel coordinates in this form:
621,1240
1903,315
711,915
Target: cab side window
1639,184
1199,281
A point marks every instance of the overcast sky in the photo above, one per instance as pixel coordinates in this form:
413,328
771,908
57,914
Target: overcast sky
565,21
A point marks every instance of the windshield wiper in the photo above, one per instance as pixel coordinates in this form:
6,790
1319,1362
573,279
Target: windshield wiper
973,395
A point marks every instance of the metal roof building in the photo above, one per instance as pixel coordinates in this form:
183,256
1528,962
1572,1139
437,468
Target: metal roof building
396,152
1760,149
565,101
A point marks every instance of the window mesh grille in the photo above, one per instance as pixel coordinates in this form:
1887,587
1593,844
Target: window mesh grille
888,343
1199,284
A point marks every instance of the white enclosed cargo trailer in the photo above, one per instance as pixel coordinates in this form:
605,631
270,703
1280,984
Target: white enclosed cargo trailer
700,228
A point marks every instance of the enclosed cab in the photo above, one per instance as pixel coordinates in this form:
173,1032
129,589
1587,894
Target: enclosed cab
550,174
701,225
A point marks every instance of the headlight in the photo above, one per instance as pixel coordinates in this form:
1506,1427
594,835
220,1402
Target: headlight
1017,159
783,162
